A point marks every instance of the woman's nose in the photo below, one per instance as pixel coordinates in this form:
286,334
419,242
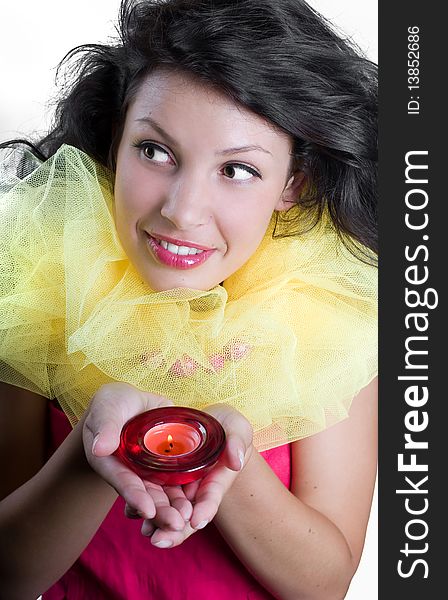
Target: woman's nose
186,203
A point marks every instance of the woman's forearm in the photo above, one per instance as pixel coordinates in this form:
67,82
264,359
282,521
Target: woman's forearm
290,548
46,523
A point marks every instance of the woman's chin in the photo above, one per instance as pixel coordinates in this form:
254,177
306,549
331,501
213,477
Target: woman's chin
174,283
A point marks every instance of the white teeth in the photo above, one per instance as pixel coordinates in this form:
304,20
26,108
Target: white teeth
181,250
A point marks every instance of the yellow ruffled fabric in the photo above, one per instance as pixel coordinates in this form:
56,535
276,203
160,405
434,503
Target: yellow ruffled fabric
288,340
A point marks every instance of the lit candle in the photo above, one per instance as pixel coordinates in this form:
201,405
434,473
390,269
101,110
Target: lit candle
175,439
171,445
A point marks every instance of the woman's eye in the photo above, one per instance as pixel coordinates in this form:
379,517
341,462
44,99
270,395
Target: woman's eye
155,153
239,172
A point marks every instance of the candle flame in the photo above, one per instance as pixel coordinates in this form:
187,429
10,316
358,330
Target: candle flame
170,438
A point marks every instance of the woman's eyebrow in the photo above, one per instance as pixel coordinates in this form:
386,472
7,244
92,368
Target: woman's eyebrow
243,149
158,128
172,141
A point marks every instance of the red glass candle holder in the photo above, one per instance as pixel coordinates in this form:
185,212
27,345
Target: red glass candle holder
171,445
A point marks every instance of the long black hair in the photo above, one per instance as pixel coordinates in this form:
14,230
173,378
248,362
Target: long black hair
279,58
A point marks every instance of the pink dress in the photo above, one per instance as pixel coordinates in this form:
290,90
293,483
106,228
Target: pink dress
121,564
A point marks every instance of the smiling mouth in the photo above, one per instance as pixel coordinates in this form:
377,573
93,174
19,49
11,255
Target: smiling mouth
177,256
179,250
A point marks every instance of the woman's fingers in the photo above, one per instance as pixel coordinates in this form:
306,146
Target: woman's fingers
239,435
169,502
210,494
111,407
126,483
166,519
169,539
172,492
148,528
131,513
166,516
190,489
179,501
234,456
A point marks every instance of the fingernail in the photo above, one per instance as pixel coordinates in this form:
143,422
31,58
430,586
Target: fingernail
147,529
163,544
241,457
201,525
95,440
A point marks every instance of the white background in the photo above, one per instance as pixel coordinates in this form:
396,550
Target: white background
34,36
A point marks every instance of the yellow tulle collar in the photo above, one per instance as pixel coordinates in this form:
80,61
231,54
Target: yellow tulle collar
288,340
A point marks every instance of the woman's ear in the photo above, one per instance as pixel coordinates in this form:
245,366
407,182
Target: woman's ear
291,191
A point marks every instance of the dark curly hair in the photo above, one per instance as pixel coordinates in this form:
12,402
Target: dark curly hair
279,58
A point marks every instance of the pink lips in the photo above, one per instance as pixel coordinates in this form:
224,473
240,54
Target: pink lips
178,261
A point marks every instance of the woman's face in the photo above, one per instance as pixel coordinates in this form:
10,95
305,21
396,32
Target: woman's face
197,181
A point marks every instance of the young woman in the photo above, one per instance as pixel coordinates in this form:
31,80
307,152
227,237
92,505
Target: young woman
198,227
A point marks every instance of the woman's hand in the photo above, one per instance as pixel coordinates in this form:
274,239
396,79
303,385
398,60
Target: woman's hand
171,513
111,407
206,494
